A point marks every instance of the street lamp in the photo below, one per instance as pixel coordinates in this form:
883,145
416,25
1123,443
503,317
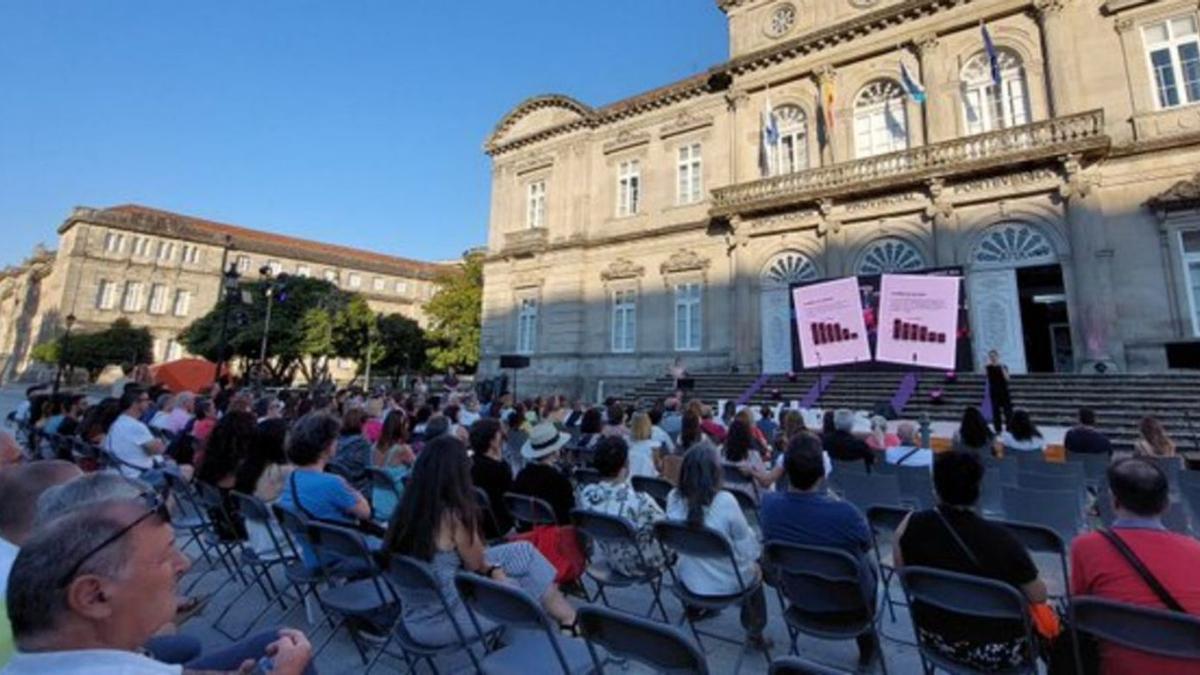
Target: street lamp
275,287
63,346
229,287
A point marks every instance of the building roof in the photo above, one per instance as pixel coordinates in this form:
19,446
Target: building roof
153,221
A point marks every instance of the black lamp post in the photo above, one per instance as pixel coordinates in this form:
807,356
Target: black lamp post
64,345
229,287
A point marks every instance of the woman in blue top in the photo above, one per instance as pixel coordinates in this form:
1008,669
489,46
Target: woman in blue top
395,456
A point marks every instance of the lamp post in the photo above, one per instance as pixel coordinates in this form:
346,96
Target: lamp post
266,273
63,346
229,287
370,334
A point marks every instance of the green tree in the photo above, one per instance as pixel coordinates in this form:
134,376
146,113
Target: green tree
96,350
455,313
404,346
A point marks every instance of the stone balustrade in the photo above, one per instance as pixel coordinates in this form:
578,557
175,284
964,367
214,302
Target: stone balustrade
527,241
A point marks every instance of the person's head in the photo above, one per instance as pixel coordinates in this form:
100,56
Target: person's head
827,422
993,357
545,440
957,477
1154,434
641,427
793,423
1139,488
974,430
437,425
907,433
186,400
313,439
203,408
766,412
98,419
616,415
165,402
84,492
76,405
729,410
135,401
699,480
451,413
20,489
352,421
1021,425
611,458
878,424
486,437
275,408
843,420
1087,417
689,429
393,431
439,492
655,414
592,421
374,407
738,441
269,438
804,462
102,577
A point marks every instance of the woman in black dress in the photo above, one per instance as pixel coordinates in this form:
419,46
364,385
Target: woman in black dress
997,380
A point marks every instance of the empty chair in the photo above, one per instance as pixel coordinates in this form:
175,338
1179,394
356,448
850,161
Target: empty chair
1025,458
1172,466
1189,493
264,552
970,597
612,532
490,525
1072,470
1176,518
343,554
864,490
1144,629
1094,467
991,491
664,648
916,486
529,511
1057,509
511,607
657,488
884,521
840,466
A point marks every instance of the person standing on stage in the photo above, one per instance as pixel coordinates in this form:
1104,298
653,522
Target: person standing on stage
997,381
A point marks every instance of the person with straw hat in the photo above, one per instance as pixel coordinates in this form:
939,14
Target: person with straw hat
541,478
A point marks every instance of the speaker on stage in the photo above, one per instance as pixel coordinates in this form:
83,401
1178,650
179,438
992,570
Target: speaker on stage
685,383
514,361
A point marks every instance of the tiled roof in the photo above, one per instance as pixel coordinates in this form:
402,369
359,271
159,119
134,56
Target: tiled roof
165,223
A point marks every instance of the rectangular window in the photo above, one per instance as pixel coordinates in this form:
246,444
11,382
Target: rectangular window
687,317
158,299
183,299
303,271
629,187
166,251
275,266
689,176
535,214
105,294
113,242
527,326
331,276
243,263
174,351
1190,241
624,321
401,287
378,283
1173,51
355,280
191,254
141,247
132,301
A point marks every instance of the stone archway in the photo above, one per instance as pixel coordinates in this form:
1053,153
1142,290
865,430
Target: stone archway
781,271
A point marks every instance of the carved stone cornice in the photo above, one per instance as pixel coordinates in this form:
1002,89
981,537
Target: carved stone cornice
1050,8
1182,196
622,268
627,139
685,121
925,44
825,74
534,164
684,261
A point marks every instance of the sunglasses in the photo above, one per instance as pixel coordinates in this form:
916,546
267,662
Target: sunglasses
156,506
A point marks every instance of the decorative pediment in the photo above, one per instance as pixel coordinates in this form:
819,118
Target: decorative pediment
537,114
1183,195
627,139
685,121
622,268
684,261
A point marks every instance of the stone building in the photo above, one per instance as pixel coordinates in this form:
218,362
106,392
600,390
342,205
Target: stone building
163,270
1057,171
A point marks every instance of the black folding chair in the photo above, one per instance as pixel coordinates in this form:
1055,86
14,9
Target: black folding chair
916,486
827,593
491,524
585,475
382,480
666,649
732,475
1145,629
512,608
884,521
529,511
969,597
657,488
190,515
611,532
257,565
866,489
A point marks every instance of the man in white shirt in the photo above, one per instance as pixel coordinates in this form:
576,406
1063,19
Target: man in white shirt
129,440
166,404
909,452
181,414
19,492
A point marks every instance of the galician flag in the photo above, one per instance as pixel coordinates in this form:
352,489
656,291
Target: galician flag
915,91
770,138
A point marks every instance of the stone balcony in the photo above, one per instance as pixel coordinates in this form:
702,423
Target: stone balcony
526,242
1079,134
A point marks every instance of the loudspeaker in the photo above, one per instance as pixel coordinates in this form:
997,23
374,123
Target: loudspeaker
514,361
685,383
885,410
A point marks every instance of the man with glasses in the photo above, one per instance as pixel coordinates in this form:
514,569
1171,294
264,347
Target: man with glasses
131,441
89,589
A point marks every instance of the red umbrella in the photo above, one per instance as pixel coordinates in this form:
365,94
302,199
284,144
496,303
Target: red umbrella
190,374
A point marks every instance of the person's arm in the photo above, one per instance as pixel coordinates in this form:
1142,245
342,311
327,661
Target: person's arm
352,502
1035,591
745,542
897,556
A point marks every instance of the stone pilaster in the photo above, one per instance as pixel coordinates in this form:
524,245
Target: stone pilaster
1059,55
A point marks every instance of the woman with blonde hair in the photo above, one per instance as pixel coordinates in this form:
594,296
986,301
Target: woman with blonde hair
643,455
1154,440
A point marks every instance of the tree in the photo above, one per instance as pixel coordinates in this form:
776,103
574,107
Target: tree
404,346
94,351
455,313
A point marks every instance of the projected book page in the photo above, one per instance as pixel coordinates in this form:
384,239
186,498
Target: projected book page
829,318
918,320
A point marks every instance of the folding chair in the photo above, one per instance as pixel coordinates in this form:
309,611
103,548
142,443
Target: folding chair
843,467
608,531
1025,457
747,503
529,511
1095,467
1042,539
1075,471
585,475
657,488
665,649
732,475
916,486
295,535
705,543
991,492
825,593
794,665
189,515
213,503
255,511
382,480
1059,510
489,516
1156,631
364,596
863,490
969,597
512,608
1189,493
1171,466
884,521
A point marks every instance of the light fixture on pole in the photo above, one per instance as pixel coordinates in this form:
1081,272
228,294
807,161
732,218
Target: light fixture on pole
63,346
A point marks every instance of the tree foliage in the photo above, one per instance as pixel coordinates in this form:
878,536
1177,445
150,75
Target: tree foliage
96,350
455,313
404,346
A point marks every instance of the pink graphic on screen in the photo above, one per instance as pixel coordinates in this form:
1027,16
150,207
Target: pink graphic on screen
918,319
829,319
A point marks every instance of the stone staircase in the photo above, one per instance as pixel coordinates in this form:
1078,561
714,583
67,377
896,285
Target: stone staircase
1052,399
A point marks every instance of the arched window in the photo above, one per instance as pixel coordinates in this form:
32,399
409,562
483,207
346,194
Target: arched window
880,119
1013,244
987,107
787,268
791,153
888,255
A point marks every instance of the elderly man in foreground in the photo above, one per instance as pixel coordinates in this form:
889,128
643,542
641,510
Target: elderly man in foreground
88,589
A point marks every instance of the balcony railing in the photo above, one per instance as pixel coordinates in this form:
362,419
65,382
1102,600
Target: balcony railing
1079,133
529,240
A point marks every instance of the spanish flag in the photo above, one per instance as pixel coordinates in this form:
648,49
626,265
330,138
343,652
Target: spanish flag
828,98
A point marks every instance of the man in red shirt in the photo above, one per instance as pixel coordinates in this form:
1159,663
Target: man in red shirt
1140,497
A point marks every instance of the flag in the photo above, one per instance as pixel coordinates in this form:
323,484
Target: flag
993,57
828,97
915,91
770,138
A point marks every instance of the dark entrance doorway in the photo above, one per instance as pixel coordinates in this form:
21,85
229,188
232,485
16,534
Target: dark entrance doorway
1044,319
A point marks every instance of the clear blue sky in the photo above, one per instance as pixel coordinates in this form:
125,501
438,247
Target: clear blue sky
358,123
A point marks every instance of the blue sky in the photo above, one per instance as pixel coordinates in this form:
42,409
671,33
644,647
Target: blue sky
346,121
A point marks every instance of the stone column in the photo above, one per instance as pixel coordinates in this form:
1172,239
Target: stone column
1093,317
1059,55
741,340
938,113
940,214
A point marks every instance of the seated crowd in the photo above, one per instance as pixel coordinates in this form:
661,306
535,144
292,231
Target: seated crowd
90,562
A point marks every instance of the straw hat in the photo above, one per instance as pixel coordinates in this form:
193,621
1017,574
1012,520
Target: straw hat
545,439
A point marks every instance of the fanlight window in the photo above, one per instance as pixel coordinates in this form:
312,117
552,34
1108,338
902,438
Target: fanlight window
880,119
1013,243
789,268
890,255
987,107
791,153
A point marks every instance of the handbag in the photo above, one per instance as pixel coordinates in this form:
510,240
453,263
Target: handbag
560,546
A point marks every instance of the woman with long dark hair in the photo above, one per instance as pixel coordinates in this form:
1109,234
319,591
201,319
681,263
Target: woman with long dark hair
973,434
689,431
591,425
438,522
1022,435
264,471
395,456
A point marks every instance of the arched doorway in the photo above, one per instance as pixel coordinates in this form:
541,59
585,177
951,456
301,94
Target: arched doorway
780,272
1017,300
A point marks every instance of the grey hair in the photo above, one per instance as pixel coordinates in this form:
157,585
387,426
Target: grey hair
185,397
699,479
85,492
164,401
879,423
843,419
37,598
906,432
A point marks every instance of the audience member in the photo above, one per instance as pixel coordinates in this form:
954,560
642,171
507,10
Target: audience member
661,438
1099,567
614,496
10,450
880,439
181,412
541,478
490,473
739,450
204,421
20,489
615,422
354,452
672,419
973,433
265,469
909,452
713,429
516,437
1152,439
690,432
232,441
766,423
644,453
129,440
952,536
1022,435
842,445
164,404
394,456
1084,439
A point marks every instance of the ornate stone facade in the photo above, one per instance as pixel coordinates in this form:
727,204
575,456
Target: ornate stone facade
1040,188
162,270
